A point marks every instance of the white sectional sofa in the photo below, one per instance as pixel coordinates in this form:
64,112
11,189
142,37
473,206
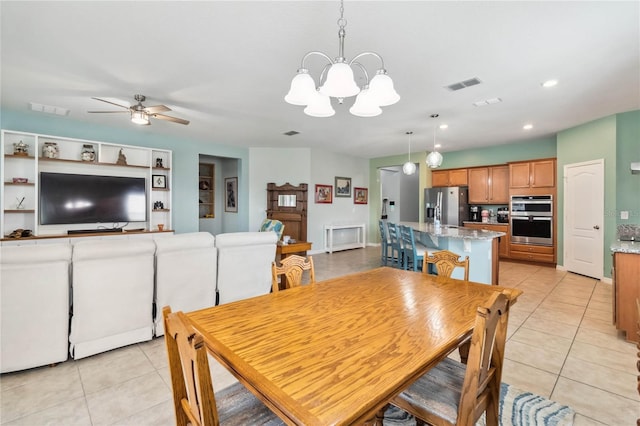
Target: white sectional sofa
34,305
118,288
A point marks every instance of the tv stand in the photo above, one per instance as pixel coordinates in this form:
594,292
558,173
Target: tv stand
93,231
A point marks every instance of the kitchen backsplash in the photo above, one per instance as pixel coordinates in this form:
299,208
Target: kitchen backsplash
627,231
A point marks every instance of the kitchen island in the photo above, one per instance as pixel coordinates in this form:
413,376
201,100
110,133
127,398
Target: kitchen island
626,286
480,245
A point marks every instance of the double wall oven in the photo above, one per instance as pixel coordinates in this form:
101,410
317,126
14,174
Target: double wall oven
531,219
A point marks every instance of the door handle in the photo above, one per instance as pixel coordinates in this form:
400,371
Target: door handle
596,227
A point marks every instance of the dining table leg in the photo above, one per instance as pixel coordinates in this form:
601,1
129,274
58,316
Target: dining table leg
377,419
463,351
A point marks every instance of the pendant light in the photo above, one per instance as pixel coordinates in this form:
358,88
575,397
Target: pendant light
409,167
434,159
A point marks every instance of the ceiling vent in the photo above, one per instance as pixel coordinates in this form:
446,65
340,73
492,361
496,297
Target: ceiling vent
48,109
291,133
462,84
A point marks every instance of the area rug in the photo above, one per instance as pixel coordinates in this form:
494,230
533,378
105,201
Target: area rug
517,408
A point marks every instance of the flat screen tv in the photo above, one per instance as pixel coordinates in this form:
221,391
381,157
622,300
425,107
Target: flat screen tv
71,198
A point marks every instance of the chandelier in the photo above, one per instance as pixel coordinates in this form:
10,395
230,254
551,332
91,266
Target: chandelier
409,167
337,81
434,159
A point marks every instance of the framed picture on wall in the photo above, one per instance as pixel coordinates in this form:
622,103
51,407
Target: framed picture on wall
324,194
360,195
343,186
231,194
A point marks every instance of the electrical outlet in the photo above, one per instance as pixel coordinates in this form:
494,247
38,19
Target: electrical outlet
624,215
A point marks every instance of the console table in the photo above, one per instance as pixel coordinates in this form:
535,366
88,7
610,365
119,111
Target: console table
358,231
284,250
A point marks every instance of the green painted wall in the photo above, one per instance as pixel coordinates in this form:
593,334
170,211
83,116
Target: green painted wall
590,141
185,157
628,150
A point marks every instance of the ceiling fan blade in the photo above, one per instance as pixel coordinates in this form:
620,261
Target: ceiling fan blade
105,111
168,118
112,103
156,108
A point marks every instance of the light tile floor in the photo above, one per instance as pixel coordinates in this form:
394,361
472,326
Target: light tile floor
561,345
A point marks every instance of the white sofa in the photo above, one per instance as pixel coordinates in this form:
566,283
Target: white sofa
118,288
185,274
34,305
112,291
244,265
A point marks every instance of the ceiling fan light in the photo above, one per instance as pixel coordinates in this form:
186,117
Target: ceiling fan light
365,105
139,117
319,106
434,160
381,87
302,88
409,168
340,82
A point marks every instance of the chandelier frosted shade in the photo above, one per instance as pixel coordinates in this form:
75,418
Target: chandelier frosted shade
434,159
340,82
365,105
139,117
409,168
381,87
302,89
319,106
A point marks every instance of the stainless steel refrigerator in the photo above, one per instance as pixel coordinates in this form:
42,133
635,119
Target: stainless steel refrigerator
451,203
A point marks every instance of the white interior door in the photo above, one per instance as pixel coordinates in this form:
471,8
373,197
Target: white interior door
584,218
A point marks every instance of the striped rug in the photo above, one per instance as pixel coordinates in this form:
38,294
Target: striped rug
517,408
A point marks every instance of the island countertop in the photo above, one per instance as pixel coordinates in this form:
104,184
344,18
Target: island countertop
455,232
626,247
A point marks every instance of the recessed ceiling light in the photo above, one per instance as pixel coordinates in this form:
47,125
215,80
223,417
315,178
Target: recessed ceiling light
549,83
527,126
291,133
444,126
437,145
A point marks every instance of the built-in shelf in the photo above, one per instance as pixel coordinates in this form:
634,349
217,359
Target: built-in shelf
159,189
20,211
20,183
161,210
97,163
19,156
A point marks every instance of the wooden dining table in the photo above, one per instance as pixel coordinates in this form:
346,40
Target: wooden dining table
335,352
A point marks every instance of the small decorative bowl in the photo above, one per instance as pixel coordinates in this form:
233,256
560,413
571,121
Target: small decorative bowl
20,180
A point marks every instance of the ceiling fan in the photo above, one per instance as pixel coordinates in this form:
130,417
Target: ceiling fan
140,114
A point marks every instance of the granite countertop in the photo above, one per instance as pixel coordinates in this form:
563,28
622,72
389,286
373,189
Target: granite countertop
626,247
446,231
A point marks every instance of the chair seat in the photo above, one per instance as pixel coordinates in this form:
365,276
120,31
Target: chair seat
237,406
437,393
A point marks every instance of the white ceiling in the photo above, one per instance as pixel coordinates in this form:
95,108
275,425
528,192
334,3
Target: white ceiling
226,67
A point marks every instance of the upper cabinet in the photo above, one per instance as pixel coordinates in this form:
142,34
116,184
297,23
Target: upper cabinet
489,185
453,177
533,174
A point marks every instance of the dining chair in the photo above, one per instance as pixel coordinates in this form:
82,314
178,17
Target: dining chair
445,262
292,268
194,400
385,243
414,252
452,393
396,245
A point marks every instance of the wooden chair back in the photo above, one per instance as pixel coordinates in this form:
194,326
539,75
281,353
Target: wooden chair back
193,397
292,269
445,262
481,387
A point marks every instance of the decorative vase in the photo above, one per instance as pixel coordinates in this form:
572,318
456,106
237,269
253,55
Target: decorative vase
50,150
88,153
20,148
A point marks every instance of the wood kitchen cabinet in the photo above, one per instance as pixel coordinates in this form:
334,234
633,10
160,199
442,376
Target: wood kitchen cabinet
489,185
533,253
452,177
626,289
503,246
533,174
